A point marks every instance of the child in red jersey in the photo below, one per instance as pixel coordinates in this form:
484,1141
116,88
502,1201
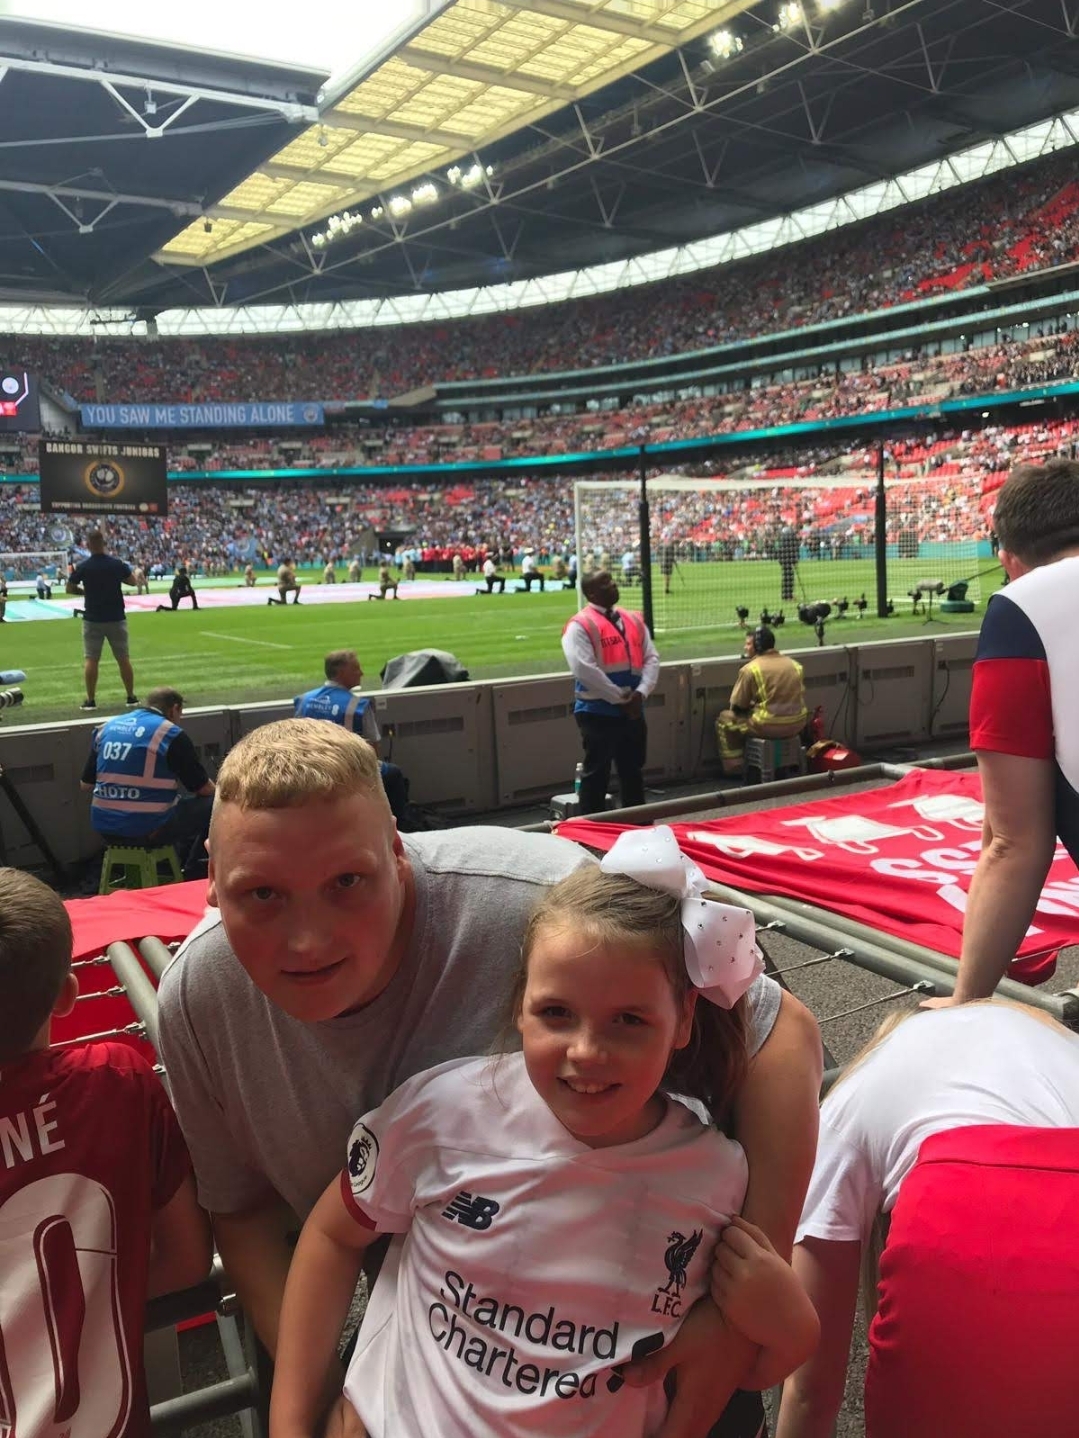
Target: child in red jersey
97,1201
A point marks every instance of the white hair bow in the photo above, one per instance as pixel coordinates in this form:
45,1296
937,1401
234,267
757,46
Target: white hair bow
722,957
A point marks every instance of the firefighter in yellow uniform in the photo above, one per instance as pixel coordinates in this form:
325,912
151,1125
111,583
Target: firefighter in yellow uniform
768,699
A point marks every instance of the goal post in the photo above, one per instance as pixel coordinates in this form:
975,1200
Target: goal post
22,567
729,554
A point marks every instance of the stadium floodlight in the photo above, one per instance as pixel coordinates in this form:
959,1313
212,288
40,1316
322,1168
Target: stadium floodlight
725,43
827,7
790,15
337,226
398,206
377,212
425,194
470,178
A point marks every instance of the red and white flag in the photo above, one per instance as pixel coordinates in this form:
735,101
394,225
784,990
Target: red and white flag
898,859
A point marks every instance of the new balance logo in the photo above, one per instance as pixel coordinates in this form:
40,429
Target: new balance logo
477,1213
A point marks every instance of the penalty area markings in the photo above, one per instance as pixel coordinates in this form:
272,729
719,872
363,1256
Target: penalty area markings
242,639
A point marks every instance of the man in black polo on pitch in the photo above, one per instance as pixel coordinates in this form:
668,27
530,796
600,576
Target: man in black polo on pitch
98,579
181,588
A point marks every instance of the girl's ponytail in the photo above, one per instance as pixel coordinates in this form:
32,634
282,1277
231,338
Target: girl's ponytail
712,1066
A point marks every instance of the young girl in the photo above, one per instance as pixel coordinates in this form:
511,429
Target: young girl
557,1208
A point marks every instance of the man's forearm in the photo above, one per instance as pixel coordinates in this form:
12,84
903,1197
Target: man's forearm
776,1120
1003,897
256,1252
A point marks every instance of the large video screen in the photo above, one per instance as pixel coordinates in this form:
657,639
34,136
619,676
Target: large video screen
20,407
98,477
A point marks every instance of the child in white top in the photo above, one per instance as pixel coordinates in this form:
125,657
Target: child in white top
556,1209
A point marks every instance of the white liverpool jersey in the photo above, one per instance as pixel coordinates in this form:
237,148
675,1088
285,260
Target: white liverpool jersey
528,1265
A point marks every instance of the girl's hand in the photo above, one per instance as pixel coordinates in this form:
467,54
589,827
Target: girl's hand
756,1290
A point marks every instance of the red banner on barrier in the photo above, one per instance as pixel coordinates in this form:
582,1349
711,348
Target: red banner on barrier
898,859
169,912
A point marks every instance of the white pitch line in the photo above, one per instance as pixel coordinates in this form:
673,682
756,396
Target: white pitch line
240,639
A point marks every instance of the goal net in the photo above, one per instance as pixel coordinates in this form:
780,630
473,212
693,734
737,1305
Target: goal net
22,568
727,555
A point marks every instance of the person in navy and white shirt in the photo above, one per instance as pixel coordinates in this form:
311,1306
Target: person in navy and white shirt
555,1210
1024,717
337,701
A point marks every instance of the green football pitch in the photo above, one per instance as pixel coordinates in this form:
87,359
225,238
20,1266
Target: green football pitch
235,655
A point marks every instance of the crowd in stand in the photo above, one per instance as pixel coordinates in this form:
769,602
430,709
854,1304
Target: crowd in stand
1043,360
1018,221
1026,218
939,489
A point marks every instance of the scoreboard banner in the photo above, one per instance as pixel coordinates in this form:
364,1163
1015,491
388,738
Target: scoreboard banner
83,477
20,404
292,413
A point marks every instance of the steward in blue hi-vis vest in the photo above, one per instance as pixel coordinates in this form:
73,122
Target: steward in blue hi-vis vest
135,791
335,703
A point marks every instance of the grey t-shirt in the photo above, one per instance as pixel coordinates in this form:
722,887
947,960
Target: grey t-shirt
267,1101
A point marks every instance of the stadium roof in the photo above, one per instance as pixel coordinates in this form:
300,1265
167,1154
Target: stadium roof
485,142
469,75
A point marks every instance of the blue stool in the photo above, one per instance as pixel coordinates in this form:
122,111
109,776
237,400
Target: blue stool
768,757
137,866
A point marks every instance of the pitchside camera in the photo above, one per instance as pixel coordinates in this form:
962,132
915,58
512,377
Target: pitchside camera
814,615
772,621
925,589
11,698
743,614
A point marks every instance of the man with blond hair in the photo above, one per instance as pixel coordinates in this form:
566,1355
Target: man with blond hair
341,958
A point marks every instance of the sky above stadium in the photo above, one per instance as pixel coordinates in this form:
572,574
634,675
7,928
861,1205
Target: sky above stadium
334,36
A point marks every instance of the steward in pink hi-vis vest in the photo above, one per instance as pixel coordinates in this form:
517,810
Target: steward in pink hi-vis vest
620,657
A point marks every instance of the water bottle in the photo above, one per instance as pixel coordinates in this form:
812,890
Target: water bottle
578,774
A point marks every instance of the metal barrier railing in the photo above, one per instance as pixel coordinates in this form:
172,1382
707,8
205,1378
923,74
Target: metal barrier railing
738,795
889,958
918,969
141,994
155,955
245,1392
